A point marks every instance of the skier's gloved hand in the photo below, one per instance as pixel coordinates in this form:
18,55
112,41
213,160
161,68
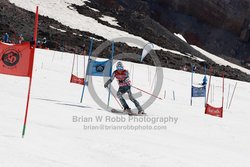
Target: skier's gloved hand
106,85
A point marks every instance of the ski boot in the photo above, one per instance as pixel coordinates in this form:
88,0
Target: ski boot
141,112
128,111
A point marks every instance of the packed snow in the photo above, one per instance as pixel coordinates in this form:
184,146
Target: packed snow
54,138
110,20
96,10
58,29
180,36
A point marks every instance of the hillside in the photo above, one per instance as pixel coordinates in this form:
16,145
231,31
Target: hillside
221,27
54,139
69,35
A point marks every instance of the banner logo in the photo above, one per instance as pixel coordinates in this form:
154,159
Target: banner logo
99,68
11,58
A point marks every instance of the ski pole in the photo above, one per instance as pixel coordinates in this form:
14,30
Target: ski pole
146,92
116,100
232,96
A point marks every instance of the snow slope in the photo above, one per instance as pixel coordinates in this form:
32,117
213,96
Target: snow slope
53,139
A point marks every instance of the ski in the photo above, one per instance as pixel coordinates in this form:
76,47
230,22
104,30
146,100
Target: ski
135,114
126,113
118,112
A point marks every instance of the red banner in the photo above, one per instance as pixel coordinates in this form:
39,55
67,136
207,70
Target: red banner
215,111
77,80
16,59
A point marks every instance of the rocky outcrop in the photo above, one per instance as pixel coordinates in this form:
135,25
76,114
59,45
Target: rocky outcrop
219,26
227,14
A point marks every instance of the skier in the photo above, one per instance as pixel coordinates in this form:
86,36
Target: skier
20,39
44,43
6,38
122,77
204,81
